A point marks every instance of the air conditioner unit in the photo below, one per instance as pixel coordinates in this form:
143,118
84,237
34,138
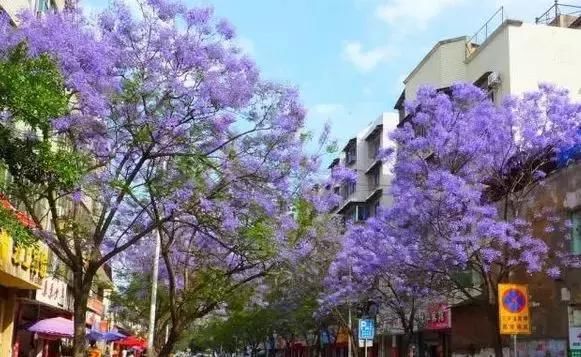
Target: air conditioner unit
493,79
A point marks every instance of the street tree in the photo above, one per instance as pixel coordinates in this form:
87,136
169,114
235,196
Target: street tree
155,117
369,272
463,172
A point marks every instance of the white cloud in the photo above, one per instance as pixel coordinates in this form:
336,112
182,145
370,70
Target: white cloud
328,109
365,60
412,12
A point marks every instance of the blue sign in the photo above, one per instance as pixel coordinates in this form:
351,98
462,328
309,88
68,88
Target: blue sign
366,329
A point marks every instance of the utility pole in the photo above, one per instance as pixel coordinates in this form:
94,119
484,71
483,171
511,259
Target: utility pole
349,347
151,331
155,275
349,324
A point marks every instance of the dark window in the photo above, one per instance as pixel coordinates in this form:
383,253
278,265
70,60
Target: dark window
374,146
357,213
351,154
362,213
576,233
348,189
373,208
374,177
464,279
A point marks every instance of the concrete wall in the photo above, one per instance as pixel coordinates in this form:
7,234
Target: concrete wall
545,53
492,56
548,303
444,66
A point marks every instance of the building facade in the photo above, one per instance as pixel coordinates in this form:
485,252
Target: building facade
512,59
34,283
362,198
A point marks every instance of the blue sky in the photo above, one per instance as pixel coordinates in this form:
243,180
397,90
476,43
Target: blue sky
349,57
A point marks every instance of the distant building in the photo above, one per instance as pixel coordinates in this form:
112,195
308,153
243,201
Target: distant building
362,198
13,7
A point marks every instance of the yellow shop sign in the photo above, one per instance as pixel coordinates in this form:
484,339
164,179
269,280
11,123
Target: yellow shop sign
22,266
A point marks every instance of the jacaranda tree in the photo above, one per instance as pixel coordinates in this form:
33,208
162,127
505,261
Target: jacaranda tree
464,170
166,125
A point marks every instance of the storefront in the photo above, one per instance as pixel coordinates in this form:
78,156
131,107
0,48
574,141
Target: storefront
21,271
435,336
53,299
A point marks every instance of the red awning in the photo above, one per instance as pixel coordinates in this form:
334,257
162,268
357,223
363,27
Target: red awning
133,341
20,216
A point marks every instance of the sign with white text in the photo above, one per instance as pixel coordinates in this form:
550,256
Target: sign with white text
366,329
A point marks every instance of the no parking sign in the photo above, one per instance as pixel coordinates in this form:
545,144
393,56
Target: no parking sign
513,307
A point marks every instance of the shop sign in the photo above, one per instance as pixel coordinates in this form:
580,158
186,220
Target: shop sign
575,338
96,306
54,292
513,306
28,264
438,316
575,329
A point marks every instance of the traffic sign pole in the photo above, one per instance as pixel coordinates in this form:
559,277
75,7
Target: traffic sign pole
514,344
365,346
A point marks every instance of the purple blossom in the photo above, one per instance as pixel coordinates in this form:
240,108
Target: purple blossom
225,29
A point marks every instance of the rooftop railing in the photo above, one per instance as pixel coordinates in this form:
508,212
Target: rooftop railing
486,30
553,13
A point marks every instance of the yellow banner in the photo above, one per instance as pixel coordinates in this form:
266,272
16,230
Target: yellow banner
513,309
24,265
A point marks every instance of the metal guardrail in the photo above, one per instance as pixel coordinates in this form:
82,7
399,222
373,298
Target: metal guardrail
556,10
482,34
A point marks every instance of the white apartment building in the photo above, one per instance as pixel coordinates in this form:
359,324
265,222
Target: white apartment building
371,190
511,58
13,7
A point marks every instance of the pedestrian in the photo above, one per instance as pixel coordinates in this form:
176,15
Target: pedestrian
93,350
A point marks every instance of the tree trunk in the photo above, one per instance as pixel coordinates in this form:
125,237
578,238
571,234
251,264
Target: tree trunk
495,319
81,295
406,340
168,346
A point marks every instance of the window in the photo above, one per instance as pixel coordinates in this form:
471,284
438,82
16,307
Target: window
348,190
357,213
351,155
576,233
374,146
464,279
374,177
373,208
362,213
44,6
